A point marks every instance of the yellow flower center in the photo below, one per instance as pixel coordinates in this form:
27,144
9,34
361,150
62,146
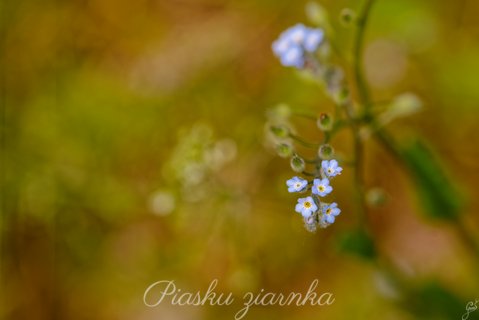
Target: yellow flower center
298,185
321,188
307,204
328,211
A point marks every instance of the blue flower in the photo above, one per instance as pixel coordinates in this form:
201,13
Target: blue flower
296,184
293,43
313,39
330,212
296,34
293,57
321,187
306,206
331,168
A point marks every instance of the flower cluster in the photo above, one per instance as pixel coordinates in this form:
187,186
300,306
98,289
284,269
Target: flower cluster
307,49
295,44
313,209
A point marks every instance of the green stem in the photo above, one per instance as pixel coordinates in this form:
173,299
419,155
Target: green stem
310,161
358,164
362,20
364,99
303,142
305,115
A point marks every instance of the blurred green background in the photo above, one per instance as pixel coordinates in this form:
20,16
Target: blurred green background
133,151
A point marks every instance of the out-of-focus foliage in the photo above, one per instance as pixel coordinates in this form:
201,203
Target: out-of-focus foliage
438,193
357,243
112,112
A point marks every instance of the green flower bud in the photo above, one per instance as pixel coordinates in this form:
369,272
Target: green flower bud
280,131
405,104
402,106
297,164
281,112
376,197
284,150
347,17
325,122
325,151
341,96
317,14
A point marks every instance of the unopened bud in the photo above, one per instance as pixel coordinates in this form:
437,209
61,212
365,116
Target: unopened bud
325,151
284,150
310,223
280,131
280,112
297,164
325,122
376,197
333,76
317,14
402,106
347,17
405,104
341,96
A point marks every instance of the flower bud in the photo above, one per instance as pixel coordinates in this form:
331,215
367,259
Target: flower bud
333,77
405,104
376,197
280,131
310,223
317,14
341,96
297,164
325,122
325,151
284,150
402,106
347,17
281,112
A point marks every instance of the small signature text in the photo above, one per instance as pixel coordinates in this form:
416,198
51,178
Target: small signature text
471,306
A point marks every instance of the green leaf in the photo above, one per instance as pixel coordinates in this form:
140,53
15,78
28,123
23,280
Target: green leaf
436,192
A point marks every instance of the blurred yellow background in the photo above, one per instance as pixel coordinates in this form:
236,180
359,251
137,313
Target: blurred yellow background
133,151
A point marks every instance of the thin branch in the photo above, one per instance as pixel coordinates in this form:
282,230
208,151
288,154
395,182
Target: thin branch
363,93
362,20
305,115
303,142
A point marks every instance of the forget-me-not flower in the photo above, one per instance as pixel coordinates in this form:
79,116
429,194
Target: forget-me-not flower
296,184
330,212
321,187
292,44
331,168
313,39
293,57
306,206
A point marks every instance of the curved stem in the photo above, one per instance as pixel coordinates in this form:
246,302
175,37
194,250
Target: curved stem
364,99
358,165
310,161
305,115
303,142
362,20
